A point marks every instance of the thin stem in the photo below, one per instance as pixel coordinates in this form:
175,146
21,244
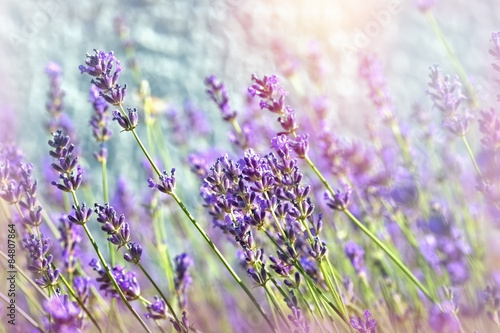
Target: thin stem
108,271
391,254
110,275
159,291
72,293
203,233
454,60
222,259
471,154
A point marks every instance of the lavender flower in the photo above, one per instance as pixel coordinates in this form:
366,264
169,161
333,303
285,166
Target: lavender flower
447,96
371,70
424,5
40,261
65,316
218,92
356,254
367,325
100,66
157,310
167,184
182,279
70,239
443,319
127,281
340,200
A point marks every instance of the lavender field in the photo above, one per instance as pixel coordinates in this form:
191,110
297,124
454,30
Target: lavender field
260,166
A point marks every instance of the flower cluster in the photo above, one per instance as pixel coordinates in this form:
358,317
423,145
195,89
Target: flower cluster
40,262
446,93
182,278
127,281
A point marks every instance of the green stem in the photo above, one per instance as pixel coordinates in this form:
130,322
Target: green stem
108,271
374,238
203,233
72,293
391,255
222,259
471,154
454,60
160,292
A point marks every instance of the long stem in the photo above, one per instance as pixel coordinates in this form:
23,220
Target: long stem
159,291
374,238
454,60
203,233
391,254
471,154
222,259
72,293
108,271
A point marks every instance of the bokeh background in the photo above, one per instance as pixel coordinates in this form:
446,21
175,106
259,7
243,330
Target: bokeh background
179,43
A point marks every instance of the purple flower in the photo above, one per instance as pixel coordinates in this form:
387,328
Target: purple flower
356,255
167,184
182,278
100,119
371,70
339,200
127,281
65,316
300,145
66,163
424,5
70,239
443,319
218,92
364,326
157,310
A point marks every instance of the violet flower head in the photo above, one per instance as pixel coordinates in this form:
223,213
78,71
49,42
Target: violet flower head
70,239
55,105
105,70
444,320
495,52
157,310
182,279
82,288
80,215
167,184
66,316
134,253
100,119
424,5
356,255
446,93
127,281
273,98
128,122
218,92
340,200
117,229
40,262
367,325
70,173
371,71
300,146
489,125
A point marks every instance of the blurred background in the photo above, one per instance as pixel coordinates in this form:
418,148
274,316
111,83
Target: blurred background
179,43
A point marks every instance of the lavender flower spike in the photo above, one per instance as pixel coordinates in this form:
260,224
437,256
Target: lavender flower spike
340,200
65,315
167,184
364,326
